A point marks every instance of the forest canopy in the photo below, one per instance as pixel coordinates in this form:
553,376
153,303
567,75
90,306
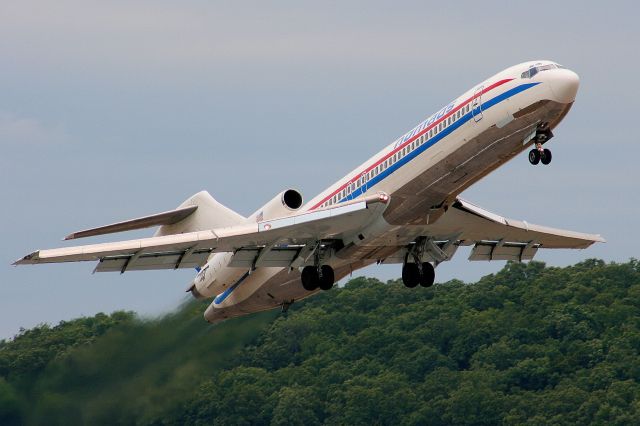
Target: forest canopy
527,345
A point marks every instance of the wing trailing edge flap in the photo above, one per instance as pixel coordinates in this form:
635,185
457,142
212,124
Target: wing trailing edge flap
499,238
280,236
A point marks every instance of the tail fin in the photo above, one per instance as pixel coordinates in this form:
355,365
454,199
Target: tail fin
210,214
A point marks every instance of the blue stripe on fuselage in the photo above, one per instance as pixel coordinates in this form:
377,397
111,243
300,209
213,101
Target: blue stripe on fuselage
435,139
222,296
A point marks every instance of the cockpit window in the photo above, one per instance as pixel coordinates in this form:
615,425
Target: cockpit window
539,68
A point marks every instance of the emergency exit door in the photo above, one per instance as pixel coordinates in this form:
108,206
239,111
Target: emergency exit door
476,104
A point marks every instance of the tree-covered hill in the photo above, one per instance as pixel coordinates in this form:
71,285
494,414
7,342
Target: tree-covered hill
528,345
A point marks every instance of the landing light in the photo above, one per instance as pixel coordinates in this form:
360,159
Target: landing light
383,197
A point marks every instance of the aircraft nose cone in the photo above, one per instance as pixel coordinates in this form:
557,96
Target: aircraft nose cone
565,85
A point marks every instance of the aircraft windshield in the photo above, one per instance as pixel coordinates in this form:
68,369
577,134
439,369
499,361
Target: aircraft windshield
539,68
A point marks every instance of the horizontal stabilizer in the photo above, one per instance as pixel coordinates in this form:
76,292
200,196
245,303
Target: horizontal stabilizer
165,218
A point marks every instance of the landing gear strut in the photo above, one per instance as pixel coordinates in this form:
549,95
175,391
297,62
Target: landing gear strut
540,154
418,272
314,277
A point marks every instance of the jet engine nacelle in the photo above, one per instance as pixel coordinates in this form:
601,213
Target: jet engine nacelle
215,277
283,204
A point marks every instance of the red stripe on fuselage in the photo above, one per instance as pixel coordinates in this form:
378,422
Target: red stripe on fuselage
408,141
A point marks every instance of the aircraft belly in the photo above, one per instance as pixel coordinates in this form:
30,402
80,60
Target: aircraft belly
422,199
284,287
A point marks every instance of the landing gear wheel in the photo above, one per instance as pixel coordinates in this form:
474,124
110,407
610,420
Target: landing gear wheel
410,275
534,156
428,275
545,158
328,277
309,277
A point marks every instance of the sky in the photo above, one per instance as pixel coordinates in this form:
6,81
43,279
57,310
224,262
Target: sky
119,109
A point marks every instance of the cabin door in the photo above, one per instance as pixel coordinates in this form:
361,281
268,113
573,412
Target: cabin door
476,104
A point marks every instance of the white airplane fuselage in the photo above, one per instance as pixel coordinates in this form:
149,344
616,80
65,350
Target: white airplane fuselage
422,171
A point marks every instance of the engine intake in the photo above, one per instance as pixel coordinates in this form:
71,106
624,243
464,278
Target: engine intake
292,199
283,204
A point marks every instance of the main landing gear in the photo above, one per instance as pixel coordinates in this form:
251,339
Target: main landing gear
314,277
540,154
418,273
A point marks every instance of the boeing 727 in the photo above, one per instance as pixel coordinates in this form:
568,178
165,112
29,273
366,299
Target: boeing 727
400,206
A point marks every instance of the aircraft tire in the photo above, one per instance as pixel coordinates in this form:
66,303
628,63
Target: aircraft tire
545,158
410,275
310,279
328,278
428,275
534,156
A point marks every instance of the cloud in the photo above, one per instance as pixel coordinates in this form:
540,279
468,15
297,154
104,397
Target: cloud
16,130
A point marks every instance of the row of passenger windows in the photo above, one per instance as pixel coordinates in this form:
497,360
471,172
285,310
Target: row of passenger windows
366,177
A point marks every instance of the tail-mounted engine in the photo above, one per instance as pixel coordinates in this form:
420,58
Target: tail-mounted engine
217,276
284,204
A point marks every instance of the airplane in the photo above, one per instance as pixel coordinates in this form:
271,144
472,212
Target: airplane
400,206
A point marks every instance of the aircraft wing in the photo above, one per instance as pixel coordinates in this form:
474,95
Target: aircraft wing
285,237
484,226
493,237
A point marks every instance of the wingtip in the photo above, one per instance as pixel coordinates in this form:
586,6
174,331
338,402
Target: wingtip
26,260
69,237
18,262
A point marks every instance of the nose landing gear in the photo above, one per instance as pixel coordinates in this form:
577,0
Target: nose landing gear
540,154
